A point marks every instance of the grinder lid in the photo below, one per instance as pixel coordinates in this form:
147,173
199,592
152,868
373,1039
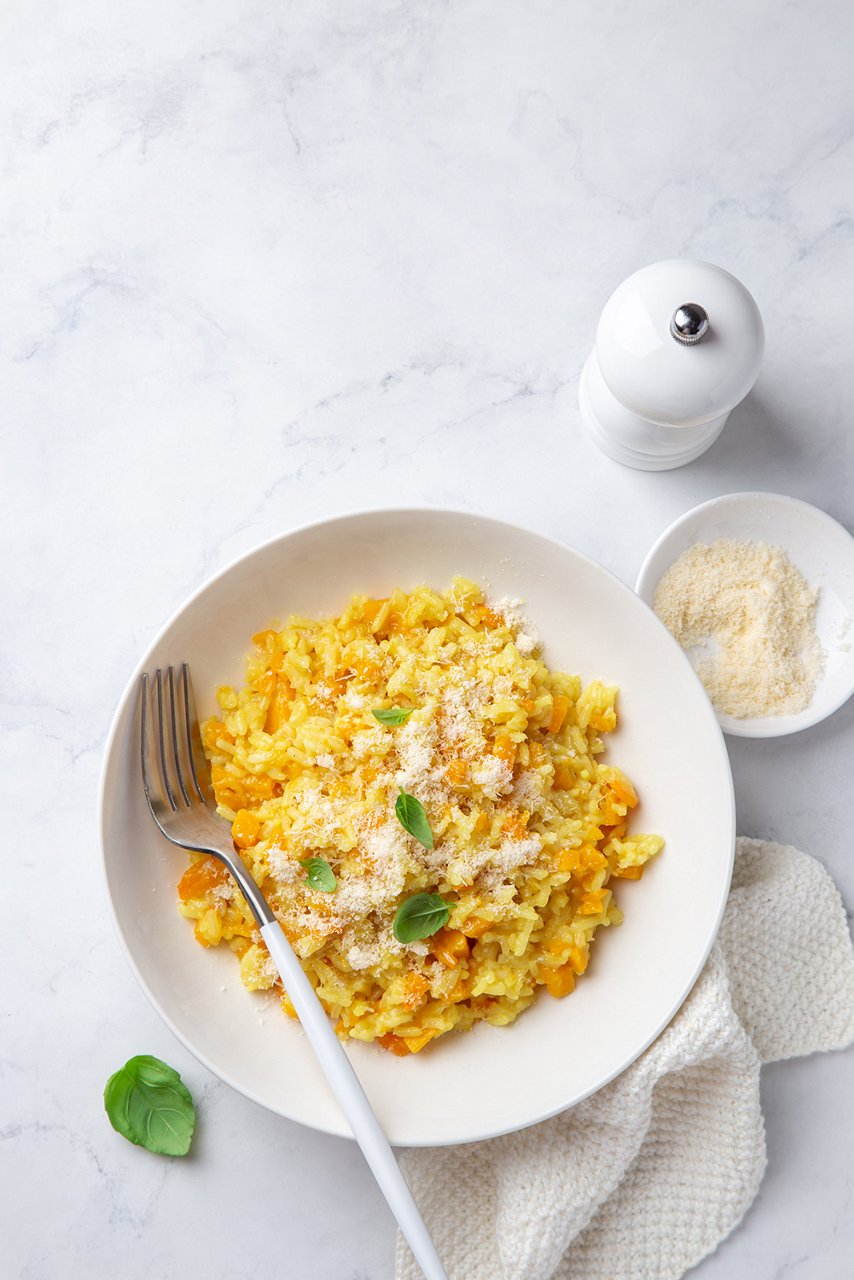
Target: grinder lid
680,342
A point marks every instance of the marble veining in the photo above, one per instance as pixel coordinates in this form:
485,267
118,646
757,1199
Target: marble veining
260,263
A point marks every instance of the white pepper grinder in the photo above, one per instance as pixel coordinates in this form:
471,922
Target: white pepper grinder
679,344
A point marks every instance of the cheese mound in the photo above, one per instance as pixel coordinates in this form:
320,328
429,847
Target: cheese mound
746,617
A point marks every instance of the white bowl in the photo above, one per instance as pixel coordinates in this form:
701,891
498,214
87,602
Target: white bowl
489,1080
818,546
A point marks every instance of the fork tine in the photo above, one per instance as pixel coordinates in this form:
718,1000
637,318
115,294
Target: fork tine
199,768
145,739
173,726
151,776
161,739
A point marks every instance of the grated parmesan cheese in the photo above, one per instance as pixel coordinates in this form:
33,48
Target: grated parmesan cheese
528,789
364,957
746,617
527,636
494,775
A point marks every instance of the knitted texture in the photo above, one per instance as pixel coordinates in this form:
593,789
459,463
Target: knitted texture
647,1176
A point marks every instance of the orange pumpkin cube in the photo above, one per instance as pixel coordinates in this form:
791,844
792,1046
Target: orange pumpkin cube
560,707
505,749
416,990
394,1044
627,873
564,778
475,927
457,772
277,709
559,982
200,877
371,608
245,828
215,731
450,946
416,1043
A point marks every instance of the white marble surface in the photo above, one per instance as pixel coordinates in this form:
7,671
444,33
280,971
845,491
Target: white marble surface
363,247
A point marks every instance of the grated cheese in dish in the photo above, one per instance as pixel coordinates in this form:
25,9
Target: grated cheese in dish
746,616
529,826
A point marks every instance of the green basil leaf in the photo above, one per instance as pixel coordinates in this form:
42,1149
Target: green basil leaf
420,916
320,874
148,1103
393,715
411,816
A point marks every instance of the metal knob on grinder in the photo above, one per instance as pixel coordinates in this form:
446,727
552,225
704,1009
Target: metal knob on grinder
665,374
689,323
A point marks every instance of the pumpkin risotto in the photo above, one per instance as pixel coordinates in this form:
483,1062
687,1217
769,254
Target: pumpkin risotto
527,825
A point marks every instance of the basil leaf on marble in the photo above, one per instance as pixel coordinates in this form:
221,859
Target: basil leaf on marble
420,916
148,1103
320,874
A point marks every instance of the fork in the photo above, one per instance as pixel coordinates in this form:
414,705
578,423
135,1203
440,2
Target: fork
177,784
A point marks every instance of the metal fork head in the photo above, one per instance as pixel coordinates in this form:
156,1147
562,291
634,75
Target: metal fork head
175,774
177,781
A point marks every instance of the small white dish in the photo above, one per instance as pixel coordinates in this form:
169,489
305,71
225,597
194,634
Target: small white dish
817,545
490,1080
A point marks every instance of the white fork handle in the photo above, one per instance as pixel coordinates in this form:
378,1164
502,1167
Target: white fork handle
351,1096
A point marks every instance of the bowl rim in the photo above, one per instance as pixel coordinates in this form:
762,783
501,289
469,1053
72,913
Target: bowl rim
754,726
130,691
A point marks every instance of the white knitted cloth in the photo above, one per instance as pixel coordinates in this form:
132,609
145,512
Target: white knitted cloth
645,1178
